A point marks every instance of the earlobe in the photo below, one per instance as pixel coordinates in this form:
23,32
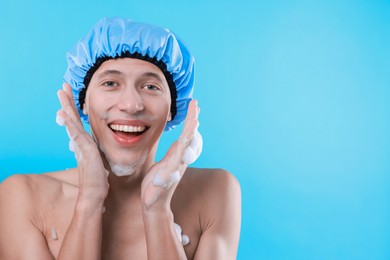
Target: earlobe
170,116
85,110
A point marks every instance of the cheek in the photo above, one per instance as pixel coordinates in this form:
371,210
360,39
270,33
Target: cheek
160,106
96,113
95,103
166,112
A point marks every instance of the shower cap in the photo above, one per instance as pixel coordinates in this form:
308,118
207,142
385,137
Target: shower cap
119,37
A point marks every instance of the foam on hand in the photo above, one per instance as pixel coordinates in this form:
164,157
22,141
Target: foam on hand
184,239
166,183
60,120
72,146
194,149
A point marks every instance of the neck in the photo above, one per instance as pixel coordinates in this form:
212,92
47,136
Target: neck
130,185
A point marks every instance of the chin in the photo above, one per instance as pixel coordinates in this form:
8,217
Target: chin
122,170
128,166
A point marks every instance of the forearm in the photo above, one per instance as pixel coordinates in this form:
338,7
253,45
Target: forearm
161,237
84,235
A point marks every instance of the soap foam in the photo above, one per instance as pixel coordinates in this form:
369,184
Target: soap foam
166,184
124,169
194,149
54,235
60,120
184,239
72,146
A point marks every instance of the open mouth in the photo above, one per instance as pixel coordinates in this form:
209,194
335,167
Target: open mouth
128,131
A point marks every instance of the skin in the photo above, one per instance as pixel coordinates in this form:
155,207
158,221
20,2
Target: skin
90,213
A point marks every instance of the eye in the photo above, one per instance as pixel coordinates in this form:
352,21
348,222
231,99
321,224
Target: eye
151,87
110,84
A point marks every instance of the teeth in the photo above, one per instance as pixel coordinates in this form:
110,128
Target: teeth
128,128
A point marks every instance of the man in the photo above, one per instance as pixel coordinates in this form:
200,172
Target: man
130,81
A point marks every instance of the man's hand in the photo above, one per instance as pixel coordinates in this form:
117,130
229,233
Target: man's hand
162,179
93,183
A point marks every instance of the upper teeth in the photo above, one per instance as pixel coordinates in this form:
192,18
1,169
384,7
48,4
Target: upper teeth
127,128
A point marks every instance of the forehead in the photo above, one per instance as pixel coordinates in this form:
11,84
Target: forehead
131,67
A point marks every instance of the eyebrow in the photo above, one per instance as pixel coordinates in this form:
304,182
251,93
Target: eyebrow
153,75
117,72
109,72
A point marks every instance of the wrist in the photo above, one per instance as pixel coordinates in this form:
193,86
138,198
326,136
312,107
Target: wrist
88,207
157,213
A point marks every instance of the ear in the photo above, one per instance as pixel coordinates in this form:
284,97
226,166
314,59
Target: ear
85,109
170,116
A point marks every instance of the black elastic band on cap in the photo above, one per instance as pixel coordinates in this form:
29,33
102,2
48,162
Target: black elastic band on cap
160,64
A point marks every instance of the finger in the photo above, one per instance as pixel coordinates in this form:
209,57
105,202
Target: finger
66,104
68,89
190,127
79,137
190,123
67,101
174,167
194,149
165,179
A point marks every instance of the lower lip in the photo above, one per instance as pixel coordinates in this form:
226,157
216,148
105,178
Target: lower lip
127,141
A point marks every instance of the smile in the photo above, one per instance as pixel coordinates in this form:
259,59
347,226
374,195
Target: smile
128,134
128,128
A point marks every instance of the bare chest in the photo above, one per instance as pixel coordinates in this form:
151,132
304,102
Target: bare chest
123,233
124,236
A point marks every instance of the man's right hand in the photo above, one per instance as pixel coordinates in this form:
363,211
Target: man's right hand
93,182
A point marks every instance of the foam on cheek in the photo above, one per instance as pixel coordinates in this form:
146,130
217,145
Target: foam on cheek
167,183
184,239
194,149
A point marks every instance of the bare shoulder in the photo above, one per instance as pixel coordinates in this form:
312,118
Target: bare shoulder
211,181
211,199
20,187
28,202
28,191
208,190
35,184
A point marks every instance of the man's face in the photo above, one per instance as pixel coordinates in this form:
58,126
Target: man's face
128,103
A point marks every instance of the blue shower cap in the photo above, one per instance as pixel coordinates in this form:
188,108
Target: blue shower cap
114,37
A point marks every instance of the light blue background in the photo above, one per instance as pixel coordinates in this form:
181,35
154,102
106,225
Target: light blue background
295,99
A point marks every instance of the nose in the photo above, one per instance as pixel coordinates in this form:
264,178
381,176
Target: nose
130,101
